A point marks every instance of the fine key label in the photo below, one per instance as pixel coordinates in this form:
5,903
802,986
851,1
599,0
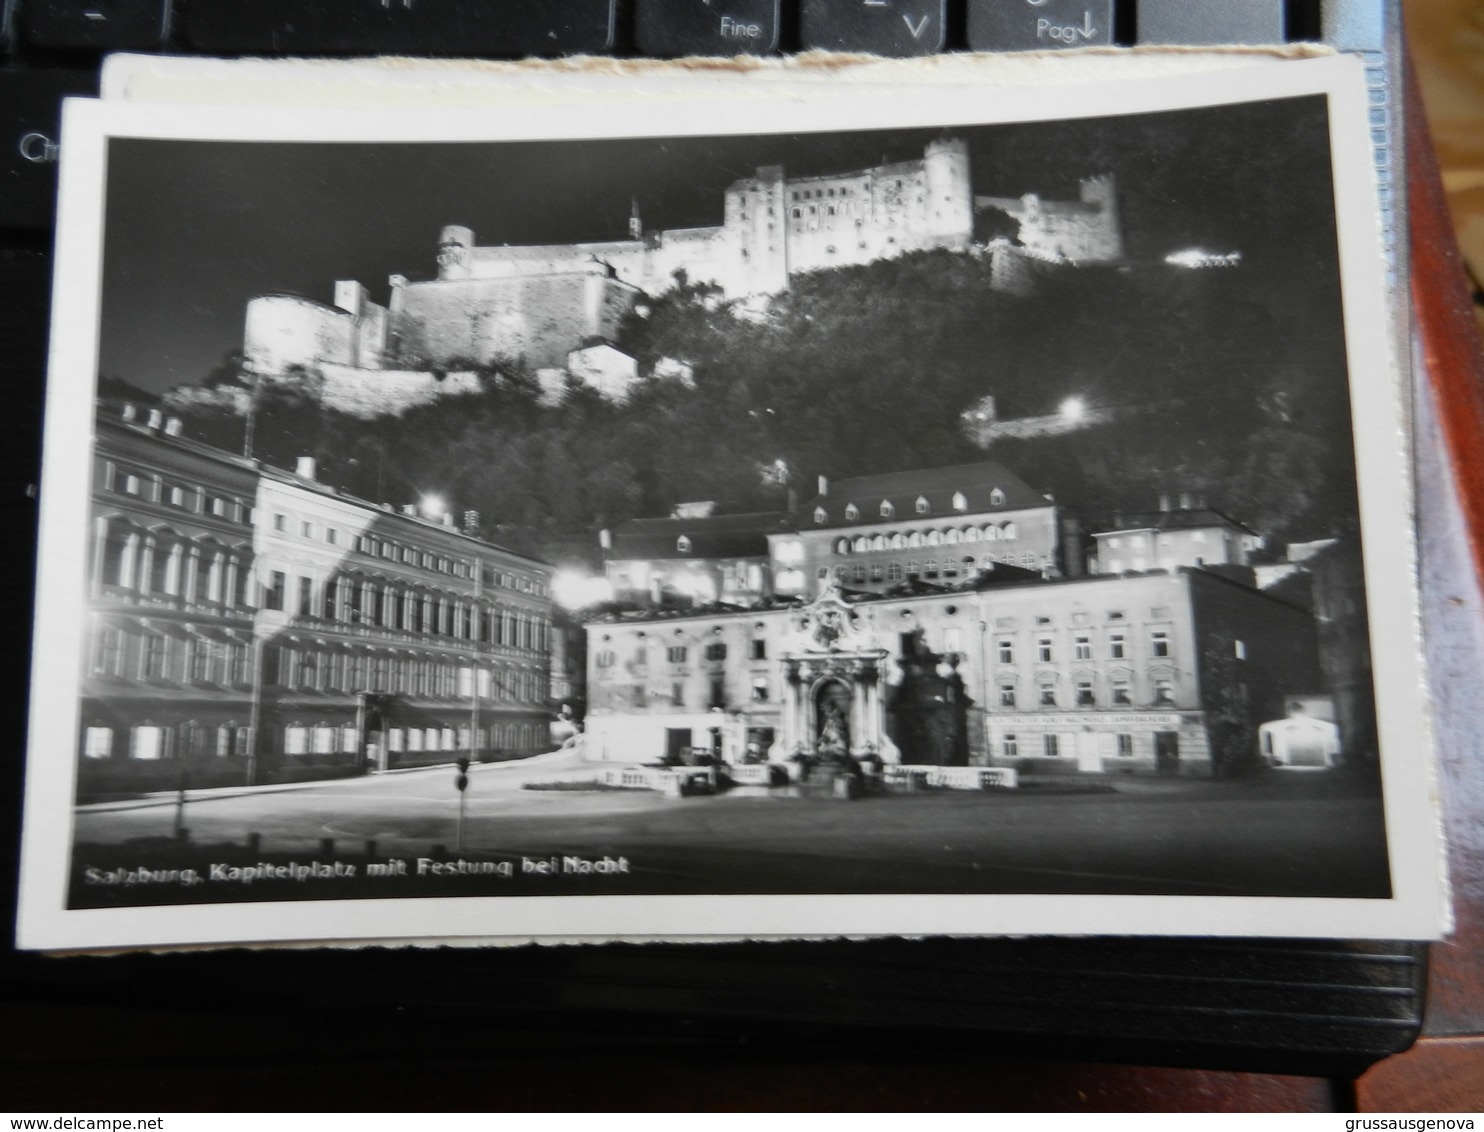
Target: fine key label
706,27
878,27
1039,25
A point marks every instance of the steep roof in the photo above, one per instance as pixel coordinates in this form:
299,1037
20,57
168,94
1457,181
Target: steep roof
938,486
711,536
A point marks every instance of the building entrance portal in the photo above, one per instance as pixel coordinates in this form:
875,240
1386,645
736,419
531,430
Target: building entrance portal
832,668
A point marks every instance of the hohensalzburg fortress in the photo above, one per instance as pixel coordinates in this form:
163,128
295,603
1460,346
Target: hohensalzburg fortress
541,303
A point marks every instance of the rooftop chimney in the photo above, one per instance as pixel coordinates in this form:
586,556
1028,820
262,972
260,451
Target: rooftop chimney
471,523
304,467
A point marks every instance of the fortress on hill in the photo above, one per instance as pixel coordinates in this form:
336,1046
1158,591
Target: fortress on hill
541,303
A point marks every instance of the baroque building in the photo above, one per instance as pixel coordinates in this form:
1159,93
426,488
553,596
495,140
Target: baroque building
248,624
1162,673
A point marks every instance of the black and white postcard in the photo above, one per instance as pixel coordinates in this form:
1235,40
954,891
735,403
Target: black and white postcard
988,517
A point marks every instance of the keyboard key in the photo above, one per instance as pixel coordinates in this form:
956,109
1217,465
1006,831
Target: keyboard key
706,27
875,27
1354,25
1199,22
96,25
30,113
400,27
1039,25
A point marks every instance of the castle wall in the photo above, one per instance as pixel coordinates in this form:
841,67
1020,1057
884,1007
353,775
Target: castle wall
368,393
534,317
285,330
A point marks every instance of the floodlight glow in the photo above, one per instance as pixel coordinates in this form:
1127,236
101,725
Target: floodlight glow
432,506
1073,408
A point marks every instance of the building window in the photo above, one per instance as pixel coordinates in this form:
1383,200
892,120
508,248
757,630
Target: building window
887,510
1050,746
1125,746
155,659
1007,650
1007,695
716,651
1009,748
273,596
1044,652
97,743
894,572
1084,693
1159,643
306,606
858,574
1082,646
1116,645
677,695
921,505
130,485
820,515
1048,695
1120,695
996,498
759,649
1164,693
108,648
676,654
682,544
760,689
281,523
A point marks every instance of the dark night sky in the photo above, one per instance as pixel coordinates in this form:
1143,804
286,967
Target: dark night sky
195,229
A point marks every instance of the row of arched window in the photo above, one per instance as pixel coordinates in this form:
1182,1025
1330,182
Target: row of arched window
164,562
907,540
334,670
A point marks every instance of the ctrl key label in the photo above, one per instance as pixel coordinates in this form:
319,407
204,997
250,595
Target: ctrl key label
1039,25
706,27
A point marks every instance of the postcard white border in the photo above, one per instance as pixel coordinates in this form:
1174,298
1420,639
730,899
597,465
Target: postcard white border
1417,910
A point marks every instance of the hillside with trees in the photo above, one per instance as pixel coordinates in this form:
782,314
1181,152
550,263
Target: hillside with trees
1219,391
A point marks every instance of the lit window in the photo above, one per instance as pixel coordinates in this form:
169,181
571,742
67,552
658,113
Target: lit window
682,544
959,502
852,512
887,510
820,516
922,505
996,498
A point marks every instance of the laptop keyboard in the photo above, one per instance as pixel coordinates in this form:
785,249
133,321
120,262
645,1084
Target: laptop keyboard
50,48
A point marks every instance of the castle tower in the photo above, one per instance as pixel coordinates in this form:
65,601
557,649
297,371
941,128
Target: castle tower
454,248
950,200
1104,235
756,235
